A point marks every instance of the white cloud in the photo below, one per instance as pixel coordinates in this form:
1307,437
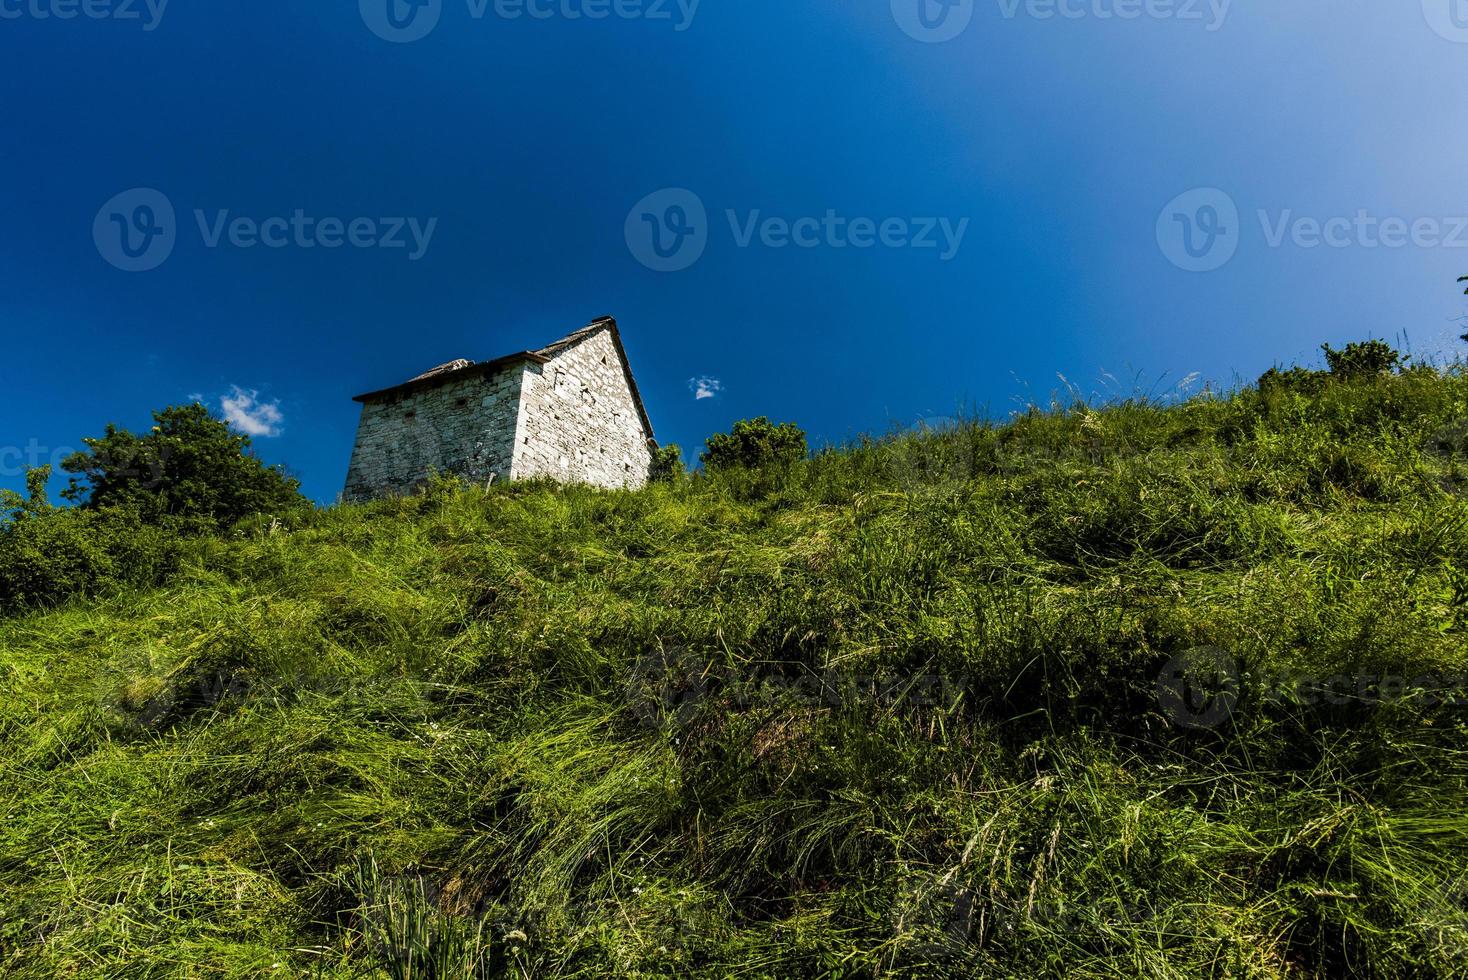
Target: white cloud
705,387
244,410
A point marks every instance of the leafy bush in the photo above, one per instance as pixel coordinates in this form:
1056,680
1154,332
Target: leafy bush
1295,378
191,465
49,556
755,444
139,498
667,464
1365,359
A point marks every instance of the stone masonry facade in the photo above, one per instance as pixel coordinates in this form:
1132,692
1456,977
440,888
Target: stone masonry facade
570,411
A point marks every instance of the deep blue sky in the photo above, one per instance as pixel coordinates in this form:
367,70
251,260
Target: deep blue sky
1060,141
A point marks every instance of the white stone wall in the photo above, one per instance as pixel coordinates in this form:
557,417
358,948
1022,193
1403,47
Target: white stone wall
463,426
578,422
572,419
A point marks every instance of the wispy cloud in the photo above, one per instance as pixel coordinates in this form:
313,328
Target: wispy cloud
705,387
246,412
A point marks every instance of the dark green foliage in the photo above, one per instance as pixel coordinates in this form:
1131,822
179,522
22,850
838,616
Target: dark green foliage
1367,358
667,464
1292,379
53,554
143,498
755,444
902,715
189,466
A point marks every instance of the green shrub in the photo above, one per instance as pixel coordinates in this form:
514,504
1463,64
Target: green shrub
667,464
755,444
1294,379
1368,358
49,557
189,466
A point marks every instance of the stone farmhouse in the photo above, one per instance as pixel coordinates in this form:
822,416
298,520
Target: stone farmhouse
570,411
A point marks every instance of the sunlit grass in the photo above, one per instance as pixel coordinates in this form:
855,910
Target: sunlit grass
564,732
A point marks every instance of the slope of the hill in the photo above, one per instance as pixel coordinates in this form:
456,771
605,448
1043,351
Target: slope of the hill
923,708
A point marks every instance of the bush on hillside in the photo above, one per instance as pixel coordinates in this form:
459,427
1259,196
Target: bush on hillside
1294,378
49,554
191,465
139,498
667,464
1368,358
1363,359
755,444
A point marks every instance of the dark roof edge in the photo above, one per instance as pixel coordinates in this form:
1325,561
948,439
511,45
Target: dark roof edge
610,323
423,384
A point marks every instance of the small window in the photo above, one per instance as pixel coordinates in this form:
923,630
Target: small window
410,416
461,403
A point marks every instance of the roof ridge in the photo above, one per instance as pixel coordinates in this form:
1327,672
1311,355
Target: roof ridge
608,323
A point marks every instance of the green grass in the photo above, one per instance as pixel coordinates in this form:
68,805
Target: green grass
896,716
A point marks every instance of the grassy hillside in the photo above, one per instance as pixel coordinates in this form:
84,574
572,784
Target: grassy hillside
924,707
